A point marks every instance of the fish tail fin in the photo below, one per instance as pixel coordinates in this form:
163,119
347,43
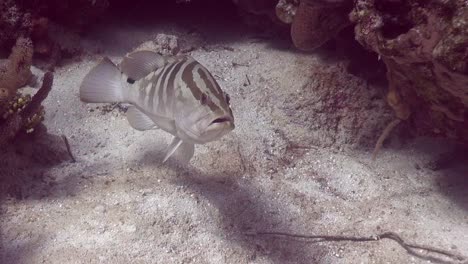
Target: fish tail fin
103,84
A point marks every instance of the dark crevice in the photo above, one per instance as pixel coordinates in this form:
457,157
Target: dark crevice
395,17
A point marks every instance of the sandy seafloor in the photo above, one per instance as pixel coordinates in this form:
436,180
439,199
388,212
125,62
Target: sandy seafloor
276,171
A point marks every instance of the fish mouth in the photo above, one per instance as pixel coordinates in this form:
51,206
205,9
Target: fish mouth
222,125
220,120
210,131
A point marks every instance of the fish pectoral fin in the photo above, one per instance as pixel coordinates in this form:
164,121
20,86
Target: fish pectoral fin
138,120
183,150
138,64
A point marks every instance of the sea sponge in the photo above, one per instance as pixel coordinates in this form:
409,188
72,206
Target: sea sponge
15,72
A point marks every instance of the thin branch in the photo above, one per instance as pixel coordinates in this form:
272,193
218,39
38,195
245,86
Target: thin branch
248,80
409,247
235,64
68,148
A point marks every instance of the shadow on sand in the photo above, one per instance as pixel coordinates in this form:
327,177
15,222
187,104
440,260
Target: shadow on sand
243,209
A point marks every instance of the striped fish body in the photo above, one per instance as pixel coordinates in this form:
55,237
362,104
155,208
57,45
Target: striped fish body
175,94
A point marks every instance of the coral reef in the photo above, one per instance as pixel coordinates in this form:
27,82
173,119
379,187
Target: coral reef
75,14
424,46
14,22
36,20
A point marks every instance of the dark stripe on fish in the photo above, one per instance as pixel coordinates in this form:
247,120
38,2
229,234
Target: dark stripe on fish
171,84
158,88
142,93
164,83
215,90
187,77
150,95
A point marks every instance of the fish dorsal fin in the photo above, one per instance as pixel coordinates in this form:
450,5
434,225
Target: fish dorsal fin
184,150
138,120
138,64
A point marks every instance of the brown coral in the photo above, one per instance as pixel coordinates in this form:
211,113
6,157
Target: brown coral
316,22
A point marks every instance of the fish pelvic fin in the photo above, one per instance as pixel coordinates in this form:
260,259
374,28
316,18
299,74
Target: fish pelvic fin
183,150
103,84
176,142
